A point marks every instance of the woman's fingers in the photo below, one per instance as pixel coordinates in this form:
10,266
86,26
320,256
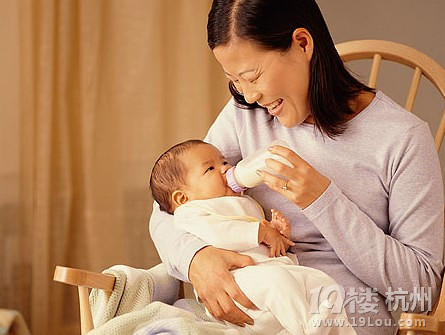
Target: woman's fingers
287,187
209,274
276,183
279,167
287,153
236,294
230,312
224,309
234,260
302,189
302,184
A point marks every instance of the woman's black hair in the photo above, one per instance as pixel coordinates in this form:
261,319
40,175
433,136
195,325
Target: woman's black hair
270,24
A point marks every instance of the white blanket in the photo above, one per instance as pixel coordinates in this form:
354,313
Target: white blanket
141,304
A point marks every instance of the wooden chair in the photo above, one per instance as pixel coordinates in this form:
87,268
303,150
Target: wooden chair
378,50
365,49
85,280
422,64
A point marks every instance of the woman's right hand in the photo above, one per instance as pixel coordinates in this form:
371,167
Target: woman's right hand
210,276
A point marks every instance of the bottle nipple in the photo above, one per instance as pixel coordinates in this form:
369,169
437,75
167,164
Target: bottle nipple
231,181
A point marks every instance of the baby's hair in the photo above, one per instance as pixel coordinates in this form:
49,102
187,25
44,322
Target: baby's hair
169,173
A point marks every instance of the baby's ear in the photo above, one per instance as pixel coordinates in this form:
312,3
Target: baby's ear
179,198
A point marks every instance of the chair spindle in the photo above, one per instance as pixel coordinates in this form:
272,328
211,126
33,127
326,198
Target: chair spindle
374,71
413,89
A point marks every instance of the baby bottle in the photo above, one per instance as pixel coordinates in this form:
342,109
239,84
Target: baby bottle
244,175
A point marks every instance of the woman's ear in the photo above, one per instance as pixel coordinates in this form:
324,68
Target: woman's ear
302,39
179,198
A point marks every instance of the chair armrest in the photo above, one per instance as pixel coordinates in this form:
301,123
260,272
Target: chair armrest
420,323
84,278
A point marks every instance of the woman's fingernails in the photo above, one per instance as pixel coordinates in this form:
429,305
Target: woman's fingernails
259,172
270,149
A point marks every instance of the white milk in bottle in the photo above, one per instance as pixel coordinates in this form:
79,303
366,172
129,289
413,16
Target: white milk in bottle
244,175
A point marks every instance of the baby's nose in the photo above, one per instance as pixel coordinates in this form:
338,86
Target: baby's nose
224,168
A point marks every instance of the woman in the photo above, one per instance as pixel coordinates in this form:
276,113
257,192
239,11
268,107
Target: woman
364,197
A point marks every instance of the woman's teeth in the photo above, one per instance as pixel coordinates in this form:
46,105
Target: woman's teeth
274,104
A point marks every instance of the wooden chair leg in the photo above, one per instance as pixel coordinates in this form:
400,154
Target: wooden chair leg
86,319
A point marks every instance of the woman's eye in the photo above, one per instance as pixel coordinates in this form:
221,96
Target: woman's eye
254,80
209,169
225,163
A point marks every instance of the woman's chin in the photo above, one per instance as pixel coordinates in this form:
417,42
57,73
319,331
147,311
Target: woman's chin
293,122
287,123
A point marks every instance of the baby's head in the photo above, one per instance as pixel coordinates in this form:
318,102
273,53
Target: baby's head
191,170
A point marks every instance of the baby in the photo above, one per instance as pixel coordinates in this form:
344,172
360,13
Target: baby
189,181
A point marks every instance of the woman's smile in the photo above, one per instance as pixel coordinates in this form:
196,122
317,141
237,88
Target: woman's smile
275,107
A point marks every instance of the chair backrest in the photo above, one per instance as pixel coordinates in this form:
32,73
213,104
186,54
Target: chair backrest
379,50
84,280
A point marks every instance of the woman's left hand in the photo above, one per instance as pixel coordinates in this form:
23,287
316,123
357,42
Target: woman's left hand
304,183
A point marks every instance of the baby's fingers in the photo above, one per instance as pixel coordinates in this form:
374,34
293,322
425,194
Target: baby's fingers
278,250
287,241
274,214
272,251
277,214
283,250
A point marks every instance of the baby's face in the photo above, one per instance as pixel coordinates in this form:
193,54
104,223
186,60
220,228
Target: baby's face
206,173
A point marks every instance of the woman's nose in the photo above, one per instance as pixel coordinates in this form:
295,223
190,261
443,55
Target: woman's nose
251,95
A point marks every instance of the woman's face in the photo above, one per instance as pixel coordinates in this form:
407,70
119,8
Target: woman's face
275,80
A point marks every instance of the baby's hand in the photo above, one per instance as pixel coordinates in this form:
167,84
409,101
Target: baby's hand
280,222
277,243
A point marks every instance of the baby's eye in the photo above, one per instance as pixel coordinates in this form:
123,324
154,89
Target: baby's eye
225,163
209,169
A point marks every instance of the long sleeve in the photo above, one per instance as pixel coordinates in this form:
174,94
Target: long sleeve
217,230
175,246
410,253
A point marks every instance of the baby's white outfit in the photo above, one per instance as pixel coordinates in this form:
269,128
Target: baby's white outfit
288,296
